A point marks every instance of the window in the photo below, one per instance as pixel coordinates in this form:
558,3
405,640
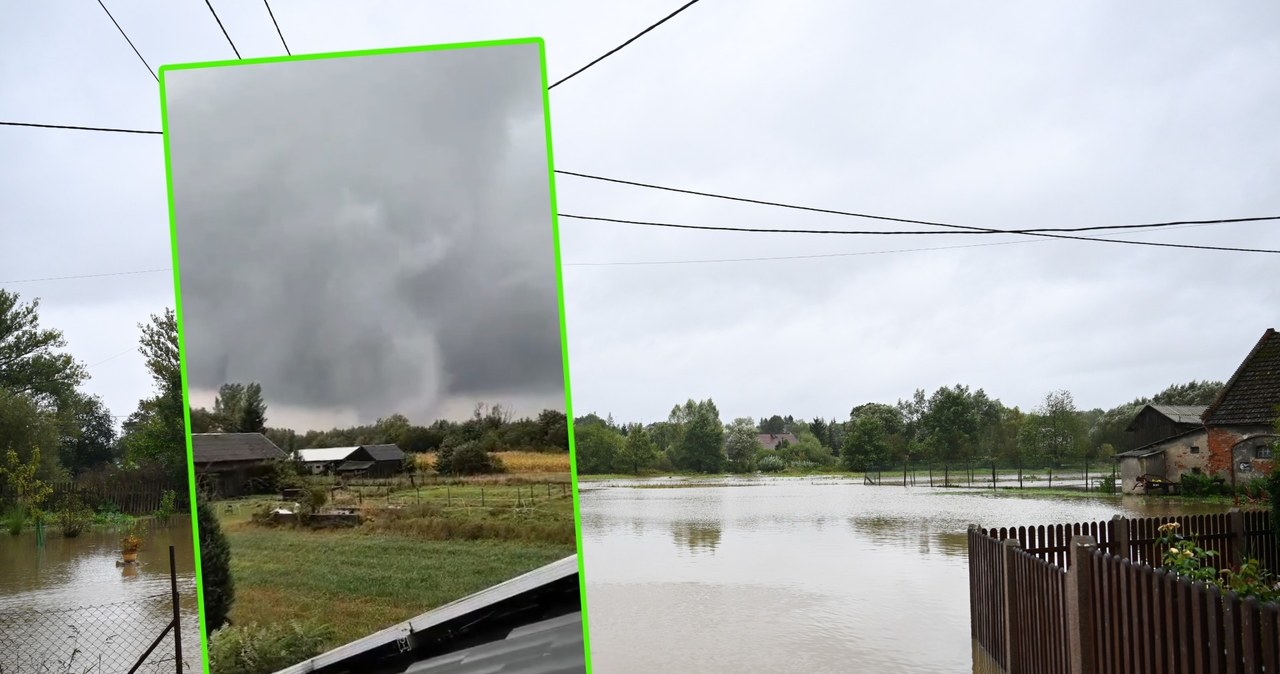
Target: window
1263,452
1195,449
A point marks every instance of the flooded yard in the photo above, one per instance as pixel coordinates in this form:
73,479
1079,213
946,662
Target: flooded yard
796,574
68,606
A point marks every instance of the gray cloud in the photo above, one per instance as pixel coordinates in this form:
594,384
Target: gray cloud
370,233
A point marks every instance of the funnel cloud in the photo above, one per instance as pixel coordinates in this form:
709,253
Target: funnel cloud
368,234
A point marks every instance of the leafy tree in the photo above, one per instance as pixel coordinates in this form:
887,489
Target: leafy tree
774,424
215,569
554,426
228,407
91,442
867,444
24,426
1058,426
596,447
393,428
253,410
156,431
419,439
702,447
204,421
950,423
32,360
741,443
821,431
638,450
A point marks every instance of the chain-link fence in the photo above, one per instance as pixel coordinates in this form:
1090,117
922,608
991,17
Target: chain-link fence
140,636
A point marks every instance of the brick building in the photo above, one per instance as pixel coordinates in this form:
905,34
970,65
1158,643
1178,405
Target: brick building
1241,421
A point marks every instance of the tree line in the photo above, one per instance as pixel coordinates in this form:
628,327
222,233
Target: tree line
53,430
951,425
241,408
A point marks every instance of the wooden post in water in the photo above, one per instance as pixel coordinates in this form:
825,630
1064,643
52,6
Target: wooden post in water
1080,627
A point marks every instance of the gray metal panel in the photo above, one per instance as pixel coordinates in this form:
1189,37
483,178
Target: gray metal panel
550,647
516,586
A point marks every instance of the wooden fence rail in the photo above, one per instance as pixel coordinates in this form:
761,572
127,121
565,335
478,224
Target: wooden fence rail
1104,613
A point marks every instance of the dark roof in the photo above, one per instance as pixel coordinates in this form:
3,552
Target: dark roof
1178,414
355,465
1253,392
224,447
1158,446
506,617
549,647
384,452
772,440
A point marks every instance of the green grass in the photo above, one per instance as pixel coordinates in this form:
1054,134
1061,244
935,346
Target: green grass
416,550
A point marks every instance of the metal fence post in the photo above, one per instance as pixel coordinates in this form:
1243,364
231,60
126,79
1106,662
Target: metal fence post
1120,537
177,614
1007,548
1080,627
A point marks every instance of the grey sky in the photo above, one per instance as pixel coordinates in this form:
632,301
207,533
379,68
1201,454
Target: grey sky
1050,114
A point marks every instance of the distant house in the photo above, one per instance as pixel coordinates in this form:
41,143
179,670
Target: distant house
772,440
364,460
226,463
1169,458
1154,423
1241,421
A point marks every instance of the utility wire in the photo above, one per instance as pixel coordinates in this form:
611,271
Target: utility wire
126,39
224,30
111,358
273,21
66,278
81,128
619,48
930,232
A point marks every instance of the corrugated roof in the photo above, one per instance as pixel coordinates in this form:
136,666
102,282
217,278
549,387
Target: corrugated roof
1183,414
1253,392
549,647
224,447
1158,446
384,452
325,454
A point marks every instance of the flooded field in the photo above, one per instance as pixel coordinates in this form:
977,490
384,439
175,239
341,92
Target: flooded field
795,574
70,607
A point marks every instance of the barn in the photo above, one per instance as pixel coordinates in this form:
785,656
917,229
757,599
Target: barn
362,460
227,464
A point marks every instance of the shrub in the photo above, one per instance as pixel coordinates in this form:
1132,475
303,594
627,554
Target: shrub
468,459
1107,485
771,463
215,569
73,521
262,649
1200,484
15,517
1254,489
168,502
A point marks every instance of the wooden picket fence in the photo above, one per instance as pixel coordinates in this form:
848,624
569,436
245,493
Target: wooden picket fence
1082,599
130,498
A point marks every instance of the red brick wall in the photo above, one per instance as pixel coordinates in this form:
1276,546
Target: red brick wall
1222,440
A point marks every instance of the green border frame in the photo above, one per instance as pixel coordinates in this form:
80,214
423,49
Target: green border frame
555,230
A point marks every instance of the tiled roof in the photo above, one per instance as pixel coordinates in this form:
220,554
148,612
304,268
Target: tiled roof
1253,392
384,452
772,440
225,447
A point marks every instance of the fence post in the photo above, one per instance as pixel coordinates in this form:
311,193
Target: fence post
1120,537
1007,547
177,614
1235,523
1080,627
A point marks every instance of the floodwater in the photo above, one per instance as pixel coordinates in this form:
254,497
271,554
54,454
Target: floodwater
795,574
69,607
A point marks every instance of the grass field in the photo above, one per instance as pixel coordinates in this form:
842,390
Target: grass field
419,548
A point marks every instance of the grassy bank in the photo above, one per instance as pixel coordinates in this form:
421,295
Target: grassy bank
418,548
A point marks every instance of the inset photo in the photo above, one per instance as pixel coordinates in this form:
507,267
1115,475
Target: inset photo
371,335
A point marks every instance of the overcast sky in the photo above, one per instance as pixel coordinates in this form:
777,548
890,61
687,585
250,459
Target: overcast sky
989,114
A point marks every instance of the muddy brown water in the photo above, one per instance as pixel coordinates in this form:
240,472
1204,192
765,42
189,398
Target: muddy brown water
796,575
68,607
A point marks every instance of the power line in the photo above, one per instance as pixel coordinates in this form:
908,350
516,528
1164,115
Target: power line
831,211
618,48
82,128
273,21
107,360
66,278
931,232
224,30
126,39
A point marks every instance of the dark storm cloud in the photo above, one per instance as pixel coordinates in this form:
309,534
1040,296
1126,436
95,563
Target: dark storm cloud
368,232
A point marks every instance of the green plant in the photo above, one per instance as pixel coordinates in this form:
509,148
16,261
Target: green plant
132,539
1201,484
15,517
168,502
74,520
1251,580
1107,485
262,649
215,569
771,463
1183,556
468,459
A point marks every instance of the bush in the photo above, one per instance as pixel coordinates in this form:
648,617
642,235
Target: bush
1199,484
15,517
1107,485
168,502
771,463
262,649
1255,489
468,459
73,521
215,569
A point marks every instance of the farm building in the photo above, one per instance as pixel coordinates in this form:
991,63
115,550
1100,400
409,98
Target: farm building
1241,421
1154,423
1170,458
363,460
772,440
226,464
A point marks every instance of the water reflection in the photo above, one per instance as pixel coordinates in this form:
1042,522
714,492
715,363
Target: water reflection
814,575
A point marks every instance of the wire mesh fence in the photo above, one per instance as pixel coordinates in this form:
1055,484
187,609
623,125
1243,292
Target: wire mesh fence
139,636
